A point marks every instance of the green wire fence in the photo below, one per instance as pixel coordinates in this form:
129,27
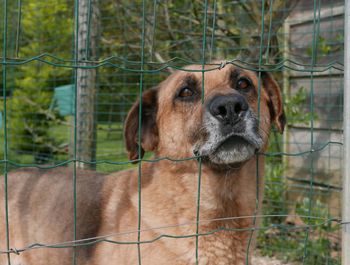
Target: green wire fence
70,71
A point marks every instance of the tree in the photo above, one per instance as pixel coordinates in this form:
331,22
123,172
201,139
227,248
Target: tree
87,43
29,106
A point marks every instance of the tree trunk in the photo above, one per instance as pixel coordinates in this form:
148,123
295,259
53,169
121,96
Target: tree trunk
88,29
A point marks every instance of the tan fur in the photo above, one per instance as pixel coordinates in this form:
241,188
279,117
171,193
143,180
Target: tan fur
41,201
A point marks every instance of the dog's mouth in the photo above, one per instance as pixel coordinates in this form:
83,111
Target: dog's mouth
232,149
233,142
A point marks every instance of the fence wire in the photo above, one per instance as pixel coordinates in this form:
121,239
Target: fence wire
46,45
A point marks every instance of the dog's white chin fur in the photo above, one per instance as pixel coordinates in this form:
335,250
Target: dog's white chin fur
237,154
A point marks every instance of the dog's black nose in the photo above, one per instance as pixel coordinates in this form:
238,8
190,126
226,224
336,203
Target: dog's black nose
228,109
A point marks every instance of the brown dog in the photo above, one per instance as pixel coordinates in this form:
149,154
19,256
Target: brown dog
224,128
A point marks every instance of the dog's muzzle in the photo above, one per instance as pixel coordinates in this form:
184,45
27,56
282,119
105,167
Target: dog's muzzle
232,130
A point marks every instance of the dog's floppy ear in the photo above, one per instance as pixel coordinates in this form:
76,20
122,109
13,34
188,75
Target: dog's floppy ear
275,100
149,130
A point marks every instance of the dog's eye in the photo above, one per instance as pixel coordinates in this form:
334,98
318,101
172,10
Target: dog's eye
185,93
243,83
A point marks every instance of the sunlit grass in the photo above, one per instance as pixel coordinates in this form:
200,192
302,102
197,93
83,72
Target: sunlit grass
109,147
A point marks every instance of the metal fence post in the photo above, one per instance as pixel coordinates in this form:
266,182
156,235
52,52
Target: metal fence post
346,133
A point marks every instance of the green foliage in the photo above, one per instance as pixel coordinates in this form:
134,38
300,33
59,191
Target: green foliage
294,108
29,121
319,245
318,209
287,242
29,111
326,47
275,192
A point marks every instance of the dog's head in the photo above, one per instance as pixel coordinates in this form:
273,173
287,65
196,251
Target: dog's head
224,123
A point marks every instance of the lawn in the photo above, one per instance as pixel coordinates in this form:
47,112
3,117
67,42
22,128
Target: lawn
109,147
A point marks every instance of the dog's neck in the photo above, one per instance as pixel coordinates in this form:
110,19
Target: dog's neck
223,193
169,201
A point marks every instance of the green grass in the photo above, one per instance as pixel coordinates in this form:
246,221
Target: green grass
109,147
